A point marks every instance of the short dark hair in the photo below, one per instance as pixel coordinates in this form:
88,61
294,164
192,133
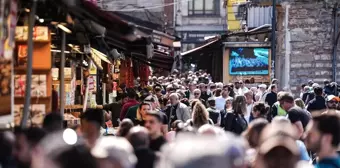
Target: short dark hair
94,116
34,135
53,122
131,93
273,86
286,97
329,124
156,115
318,91
143,104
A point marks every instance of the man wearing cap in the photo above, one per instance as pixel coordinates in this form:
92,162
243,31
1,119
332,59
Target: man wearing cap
214,114
277,146
332,104
260,92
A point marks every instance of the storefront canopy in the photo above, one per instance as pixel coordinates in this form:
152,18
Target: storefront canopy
199,49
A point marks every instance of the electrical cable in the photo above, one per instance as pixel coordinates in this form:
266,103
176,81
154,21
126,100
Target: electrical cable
144,8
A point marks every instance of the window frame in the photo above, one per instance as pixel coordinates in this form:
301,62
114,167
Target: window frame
204,12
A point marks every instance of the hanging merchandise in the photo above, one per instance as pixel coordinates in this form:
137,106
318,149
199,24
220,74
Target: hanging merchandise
126,73
8,17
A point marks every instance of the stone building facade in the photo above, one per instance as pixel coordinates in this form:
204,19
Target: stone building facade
304,43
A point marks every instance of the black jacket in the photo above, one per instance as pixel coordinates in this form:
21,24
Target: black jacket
146,158
318,103
115,109
235,123
271,98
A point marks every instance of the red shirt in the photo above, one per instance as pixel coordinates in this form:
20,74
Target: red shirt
126,107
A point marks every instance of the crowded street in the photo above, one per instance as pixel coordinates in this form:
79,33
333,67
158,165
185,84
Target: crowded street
169,84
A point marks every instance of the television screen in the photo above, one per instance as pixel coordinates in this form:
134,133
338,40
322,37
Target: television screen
249,61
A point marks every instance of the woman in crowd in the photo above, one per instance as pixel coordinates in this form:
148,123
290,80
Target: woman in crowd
200,116
260,110
299,102
235,121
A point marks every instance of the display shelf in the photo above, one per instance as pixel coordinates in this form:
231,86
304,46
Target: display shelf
35,41
22,70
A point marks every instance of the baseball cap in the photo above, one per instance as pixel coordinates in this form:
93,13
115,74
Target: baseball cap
263,86
332,97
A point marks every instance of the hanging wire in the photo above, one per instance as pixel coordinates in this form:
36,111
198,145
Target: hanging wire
141,8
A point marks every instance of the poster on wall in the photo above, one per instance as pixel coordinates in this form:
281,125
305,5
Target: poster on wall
8,15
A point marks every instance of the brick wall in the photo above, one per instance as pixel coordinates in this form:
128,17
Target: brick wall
310,25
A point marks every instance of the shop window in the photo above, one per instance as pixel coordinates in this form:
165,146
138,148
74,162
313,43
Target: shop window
203,7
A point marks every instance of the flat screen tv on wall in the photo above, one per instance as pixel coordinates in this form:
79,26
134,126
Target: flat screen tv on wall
249,61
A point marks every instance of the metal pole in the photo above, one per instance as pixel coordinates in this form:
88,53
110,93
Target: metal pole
274,35
335,45
27,103
62,75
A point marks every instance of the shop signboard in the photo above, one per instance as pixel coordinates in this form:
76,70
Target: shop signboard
8,17
197,36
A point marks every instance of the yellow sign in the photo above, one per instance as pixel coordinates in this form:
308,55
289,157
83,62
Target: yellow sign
234,14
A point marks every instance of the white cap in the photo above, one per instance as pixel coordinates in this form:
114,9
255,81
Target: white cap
263,86
117,149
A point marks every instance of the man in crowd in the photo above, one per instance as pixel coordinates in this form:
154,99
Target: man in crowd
189,94
220,101
177,110
214,114
332,103
250,103
243,89
271,97
323,137
91,121
261,91
285,102
198,95
115,109
140,141
204,92
26,142
319,102
153,122
132,96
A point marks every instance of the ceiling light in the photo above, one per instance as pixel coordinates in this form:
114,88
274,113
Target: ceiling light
64,28
41,20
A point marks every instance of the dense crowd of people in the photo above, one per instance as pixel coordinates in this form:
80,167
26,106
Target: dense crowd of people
188,121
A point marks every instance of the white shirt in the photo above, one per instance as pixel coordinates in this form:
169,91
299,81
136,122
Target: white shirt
241,91
249,110
220,103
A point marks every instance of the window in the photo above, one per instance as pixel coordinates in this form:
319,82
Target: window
203,7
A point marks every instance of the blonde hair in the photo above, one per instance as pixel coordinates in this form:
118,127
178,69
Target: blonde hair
299,102
200,115
239,105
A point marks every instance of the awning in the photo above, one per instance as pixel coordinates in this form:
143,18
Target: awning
199,48
100,55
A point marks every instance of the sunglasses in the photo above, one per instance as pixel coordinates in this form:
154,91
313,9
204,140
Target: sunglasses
333,102
196,94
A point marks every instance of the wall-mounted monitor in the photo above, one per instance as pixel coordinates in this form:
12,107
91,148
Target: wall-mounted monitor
249,61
